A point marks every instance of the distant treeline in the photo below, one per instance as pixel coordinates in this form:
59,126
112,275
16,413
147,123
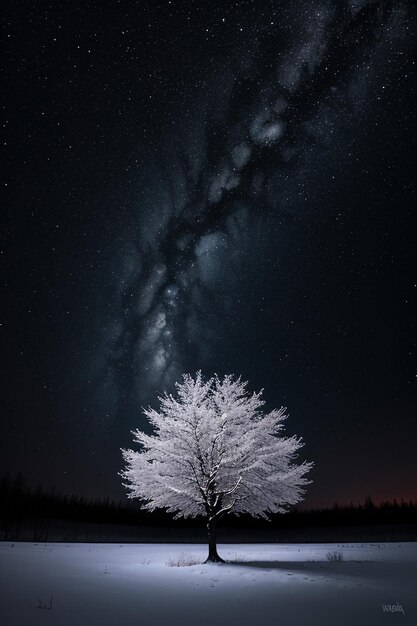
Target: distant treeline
20,504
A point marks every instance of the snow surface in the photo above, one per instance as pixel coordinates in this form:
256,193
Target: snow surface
132,584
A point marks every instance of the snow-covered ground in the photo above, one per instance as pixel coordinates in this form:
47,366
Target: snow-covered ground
137,584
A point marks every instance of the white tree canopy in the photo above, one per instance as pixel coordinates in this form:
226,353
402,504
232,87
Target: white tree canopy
215,452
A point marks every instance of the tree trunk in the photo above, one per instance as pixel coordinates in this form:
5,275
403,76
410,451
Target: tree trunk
213,557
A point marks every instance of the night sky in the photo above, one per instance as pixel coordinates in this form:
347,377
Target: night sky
219,186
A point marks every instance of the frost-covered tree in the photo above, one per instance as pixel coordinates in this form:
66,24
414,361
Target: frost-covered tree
214,452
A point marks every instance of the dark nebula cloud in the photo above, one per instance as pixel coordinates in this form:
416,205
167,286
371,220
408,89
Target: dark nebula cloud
268,127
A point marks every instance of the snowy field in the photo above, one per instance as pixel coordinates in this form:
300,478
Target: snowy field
142,585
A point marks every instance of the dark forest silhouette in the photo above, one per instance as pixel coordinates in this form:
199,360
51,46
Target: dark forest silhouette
22,507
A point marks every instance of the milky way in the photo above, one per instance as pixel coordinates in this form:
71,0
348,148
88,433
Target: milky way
217,186
265,131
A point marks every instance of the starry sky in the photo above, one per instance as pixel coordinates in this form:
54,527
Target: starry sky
219,186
